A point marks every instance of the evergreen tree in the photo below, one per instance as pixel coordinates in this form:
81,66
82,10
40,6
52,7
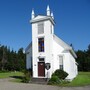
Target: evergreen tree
83,59
21,59
11,60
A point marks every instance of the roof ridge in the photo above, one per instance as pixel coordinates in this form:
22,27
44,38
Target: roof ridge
65,44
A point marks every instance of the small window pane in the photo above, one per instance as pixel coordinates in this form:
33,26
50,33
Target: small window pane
61,67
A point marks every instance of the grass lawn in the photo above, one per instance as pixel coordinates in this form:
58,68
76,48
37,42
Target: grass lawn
10,74
82,79
17,75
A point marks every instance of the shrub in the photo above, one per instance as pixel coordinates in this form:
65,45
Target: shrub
54,80
57,77
60,74
27,75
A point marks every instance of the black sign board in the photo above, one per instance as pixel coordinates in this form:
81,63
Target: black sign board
47,66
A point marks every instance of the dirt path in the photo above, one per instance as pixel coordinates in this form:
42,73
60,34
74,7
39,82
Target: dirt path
6,85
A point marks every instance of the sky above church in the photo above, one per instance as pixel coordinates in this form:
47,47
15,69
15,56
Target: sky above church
72,18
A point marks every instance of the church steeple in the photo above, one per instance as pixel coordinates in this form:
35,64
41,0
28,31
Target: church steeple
48,11
33,14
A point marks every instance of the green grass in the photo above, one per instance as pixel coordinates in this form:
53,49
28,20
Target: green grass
17,76
10,74
82,79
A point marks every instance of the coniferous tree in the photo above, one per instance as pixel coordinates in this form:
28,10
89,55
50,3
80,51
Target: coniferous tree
11,60
21,59
83,59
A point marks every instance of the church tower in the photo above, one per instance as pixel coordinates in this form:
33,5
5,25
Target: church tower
42,42
47,52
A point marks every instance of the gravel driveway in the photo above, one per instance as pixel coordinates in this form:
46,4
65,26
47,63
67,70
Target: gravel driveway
6,85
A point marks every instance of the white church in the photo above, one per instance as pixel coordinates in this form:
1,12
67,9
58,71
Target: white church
48,49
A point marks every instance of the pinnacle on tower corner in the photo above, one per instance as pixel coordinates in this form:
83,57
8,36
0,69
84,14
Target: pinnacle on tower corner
33,14
52,15
48,11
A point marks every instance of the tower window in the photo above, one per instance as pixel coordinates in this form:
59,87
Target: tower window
41,44
40,28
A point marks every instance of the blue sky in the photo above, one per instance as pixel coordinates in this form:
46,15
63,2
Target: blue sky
72,19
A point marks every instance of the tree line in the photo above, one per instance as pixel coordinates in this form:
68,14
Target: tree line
16,61
11,60
83,59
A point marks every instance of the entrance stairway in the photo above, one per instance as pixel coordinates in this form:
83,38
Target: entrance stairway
39,81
